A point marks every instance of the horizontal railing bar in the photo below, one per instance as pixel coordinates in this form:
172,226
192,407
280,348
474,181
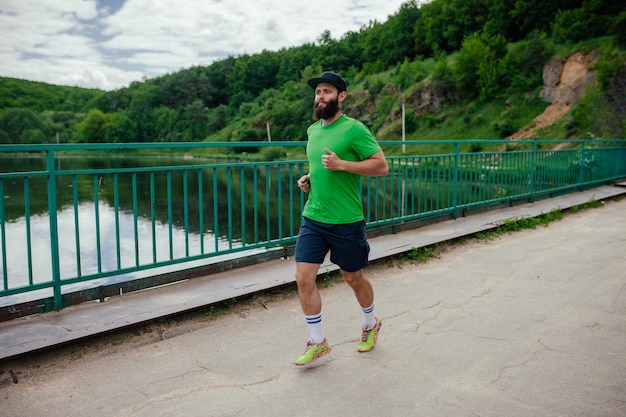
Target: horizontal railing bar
201,145
147,169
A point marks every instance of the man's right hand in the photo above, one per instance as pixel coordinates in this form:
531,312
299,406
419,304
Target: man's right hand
304,183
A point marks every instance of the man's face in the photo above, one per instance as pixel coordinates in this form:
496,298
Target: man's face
327,99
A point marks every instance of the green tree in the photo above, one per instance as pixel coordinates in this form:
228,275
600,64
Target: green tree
371,48
4,137
248,135
529,15
446,23
592,18
525,61
392,42
197,120
480,66
217,119
443,78
405,75
253,74
186,86
221,75
499,21
142,110
618,29
93,128
293,61
39,97
24,127
119,128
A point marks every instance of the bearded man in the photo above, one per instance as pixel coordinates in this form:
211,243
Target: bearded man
340,150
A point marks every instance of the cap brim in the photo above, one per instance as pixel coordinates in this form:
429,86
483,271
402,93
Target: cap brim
313,82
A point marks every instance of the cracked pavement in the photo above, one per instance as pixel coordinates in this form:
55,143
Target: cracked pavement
531,323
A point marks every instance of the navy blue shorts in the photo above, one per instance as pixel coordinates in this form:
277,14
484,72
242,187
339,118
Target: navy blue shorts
347,244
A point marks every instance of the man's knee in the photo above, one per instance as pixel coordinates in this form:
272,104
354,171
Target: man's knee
353,279
305,276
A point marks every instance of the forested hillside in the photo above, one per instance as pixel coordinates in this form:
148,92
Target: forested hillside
480,61
34,112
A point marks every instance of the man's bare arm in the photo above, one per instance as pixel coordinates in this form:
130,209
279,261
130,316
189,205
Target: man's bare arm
374,166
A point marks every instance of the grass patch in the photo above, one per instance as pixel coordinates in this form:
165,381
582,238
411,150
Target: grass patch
326,280
510,226
588,205
422,254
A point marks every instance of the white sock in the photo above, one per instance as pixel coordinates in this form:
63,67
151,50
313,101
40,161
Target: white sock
369,319
315,327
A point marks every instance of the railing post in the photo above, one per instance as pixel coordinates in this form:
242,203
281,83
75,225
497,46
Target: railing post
581,169
54,231
3,240
455,188
531,179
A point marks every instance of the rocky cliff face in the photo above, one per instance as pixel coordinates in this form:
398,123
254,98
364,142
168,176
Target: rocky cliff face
565,81
564,85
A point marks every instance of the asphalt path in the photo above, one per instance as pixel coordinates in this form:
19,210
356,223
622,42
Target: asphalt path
531,323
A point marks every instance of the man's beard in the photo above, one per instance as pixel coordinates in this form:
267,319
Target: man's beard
327,112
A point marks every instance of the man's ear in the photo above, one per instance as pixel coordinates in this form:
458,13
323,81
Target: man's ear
342,96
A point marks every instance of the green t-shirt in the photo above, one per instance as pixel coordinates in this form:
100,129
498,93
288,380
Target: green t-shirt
335,196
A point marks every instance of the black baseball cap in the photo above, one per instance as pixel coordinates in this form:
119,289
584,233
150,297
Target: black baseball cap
330,78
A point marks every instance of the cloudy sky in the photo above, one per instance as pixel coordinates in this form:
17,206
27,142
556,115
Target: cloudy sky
108,44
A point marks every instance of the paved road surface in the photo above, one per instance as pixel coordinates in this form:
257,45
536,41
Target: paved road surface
529,324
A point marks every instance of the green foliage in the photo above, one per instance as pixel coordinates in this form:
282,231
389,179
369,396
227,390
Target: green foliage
506,126
39,97
608,66
119,128
273,153
444,24
480,66
601,116
510,226
619,29
22,126
525,60
230,304
422,254
410,123
529,15
327,280
187,86
588,205
217,119
93,128
455,52
476,120
443,79
248,135
384,104
594,18
600,112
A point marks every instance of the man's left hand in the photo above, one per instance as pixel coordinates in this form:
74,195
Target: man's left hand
331,161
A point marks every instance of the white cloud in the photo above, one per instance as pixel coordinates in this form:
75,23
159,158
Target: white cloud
99,44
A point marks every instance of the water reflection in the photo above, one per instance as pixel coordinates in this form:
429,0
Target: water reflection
214,216
23,267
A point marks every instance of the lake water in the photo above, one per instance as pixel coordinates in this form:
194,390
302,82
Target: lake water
99,251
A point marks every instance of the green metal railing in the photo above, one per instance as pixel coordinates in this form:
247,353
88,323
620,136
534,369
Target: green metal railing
117,221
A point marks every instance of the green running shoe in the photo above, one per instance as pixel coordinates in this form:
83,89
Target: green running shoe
313,352
370,336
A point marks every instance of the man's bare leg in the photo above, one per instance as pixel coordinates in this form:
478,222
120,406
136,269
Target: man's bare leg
361,286
311,303
309,295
